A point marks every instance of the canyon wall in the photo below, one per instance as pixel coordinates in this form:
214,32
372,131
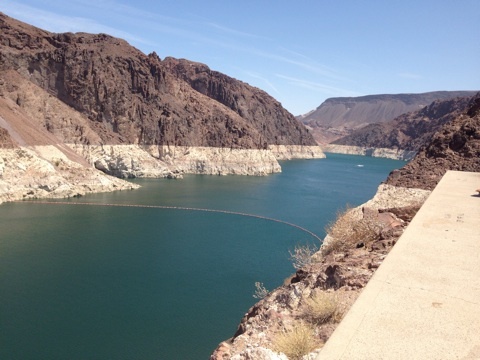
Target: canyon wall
110,108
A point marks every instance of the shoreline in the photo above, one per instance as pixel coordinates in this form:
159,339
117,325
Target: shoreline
343,274
394,154
68,170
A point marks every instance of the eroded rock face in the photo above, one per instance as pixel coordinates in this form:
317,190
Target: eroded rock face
275,125
288,152
40,172
109,107
132,98
6,142
455,146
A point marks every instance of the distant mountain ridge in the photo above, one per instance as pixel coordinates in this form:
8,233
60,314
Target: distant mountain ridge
408,131
454,146
338,117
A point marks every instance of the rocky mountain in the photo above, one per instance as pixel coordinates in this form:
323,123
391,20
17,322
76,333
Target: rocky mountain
338,117
138,99
408,131
101,102
455,146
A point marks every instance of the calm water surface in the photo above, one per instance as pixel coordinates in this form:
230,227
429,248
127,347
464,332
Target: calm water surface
97,282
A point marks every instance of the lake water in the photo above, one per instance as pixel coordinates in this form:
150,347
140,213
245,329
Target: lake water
106,282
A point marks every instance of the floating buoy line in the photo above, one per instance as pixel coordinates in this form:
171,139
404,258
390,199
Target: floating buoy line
184,209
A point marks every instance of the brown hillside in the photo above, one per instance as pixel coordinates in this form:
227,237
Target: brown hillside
408,131
455,146
131,98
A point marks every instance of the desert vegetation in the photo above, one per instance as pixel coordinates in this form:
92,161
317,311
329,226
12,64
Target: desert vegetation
296,342
260,291
349,230
302,255
321,307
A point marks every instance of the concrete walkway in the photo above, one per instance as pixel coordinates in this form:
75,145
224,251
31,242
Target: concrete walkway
423,302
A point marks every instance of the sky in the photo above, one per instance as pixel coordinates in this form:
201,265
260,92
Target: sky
300,52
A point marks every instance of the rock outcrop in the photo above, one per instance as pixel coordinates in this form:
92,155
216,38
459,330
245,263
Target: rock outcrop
338,117
45,171
34,164
455,146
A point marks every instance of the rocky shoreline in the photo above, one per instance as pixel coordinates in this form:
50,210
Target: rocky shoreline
395,154
129,161
40,172
338,274
70,170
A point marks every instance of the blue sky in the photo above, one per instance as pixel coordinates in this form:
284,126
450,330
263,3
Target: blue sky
300,52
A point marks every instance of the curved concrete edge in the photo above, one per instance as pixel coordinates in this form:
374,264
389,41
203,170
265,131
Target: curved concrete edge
423,302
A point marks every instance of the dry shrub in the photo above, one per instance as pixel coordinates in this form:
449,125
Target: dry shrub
301,256
348,230
260,291
297,342
321,307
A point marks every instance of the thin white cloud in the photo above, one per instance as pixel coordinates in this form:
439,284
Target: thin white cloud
233,31
129,12
408,75
310,66
318,87
263,79
295,53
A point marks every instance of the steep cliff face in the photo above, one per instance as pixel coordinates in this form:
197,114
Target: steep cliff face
131,98
106,105
275,125
455,146
338,117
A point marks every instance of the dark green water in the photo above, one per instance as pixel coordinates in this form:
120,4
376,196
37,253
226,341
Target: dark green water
95,282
